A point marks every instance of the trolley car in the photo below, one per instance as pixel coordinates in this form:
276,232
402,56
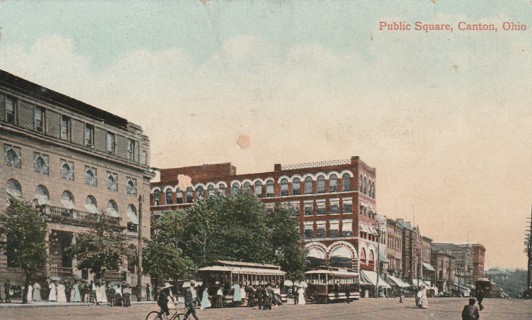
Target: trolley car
331,285
229,275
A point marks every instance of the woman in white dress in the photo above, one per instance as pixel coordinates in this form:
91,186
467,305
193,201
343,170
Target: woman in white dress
301,293
101,290
52,296
61,295
36,291
205,302
76,293
29,295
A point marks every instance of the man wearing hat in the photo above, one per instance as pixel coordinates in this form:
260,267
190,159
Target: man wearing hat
162,300
190,301
470,311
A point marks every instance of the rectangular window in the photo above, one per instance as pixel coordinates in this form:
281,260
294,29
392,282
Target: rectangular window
65,128
89,135
131,147
309,207
347,206
38,119
309,230
334,206
347,228
11,110
320,207
111,145
320,230
334,228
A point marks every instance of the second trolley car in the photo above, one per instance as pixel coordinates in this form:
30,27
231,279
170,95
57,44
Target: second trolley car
332,285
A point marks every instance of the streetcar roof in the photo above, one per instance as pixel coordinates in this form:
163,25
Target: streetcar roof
240,270
333,273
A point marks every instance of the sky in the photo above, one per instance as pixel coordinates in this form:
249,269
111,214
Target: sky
444,117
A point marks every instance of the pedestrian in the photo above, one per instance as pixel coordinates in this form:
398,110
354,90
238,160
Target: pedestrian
148,292
61,294
36,291
260,297
52,293
251,296
68,290
190,301
295,294
347,294
480,298
237,297
205,302
301,293
470,311
29,294
219,303
336,290
7,290
77,292
267,298
162,299
127,295
424,299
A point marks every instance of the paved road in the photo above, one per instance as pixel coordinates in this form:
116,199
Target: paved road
442,308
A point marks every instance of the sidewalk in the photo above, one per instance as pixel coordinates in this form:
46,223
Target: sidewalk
18,304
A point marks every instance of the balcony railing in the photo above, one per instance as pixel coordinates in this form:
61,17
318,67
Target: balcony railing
75,217
61,272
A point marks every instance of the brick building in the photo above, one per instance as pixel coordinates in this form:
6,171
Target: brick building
479,253
394,248
335,199
463,255
74,162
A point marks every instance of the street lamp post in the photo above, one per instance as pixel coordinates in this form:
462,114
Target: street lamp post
139,246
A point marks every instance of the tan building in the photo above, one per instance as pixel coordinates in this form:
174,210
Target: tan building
394,248
74,162
444,266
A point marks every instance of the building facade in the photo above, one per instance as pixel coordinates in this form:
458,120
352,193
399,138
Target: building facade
335,199
74,162
394,248
463,255
444,266
479,253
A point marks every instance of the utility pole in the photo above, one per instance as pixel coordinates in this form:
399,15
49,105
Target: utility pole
139,246
378,256
528,241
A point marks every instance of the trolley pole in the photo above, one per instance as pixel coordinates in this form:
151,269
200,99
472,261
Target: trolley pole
139,246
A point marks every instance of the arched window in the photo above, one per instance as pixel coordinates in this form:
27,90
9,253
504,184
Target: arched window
235,187
168,196
284,187
258,189
321,184
333,183
91,205
346,182
67,170
221,188
296,186
132,214
200,192
247,186
13,189
42,195
269,189
156,197
210,190
365,186
178,196
308,185
112,181
371,257
190,195
112,209
67,199
12,156
373,190
41,163
363,255
131,187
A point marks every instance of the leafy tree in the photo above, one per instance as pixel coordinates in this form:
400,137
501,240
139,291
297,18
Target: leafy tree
286,240
24,231
164,261
101,248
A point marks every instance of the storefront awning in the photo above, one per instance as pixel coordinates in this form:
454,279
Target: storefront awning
370,278
398,282
428,266
382,257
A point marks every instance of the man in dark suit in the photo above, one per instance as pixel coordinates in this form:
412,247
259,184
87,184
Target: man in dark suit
190,302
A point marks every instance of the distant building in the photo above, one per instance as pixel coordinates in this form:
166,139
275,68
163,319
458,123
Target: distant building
479,253
335,200
444,265
394,248
75,162
463,255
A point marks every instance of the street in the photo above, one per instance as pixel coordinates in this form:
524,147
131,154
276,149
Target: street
442,308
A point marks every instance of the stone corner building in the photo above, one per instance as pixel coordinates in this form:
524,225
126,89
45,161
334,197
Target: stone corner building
74,162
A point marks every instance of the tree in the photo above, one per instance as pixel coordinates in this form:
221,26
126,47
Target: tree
163,261
101,248
286,241
24,234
